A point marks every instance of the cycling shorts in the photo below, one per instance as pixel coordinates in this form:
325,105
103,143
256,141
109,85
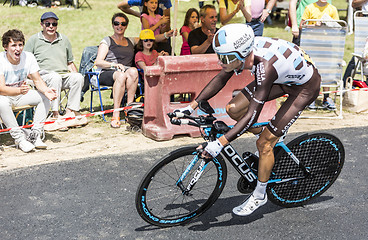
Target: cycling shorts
299,97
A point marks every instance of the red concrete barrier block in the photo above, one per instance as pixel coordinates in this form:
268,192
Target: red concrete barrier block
181,75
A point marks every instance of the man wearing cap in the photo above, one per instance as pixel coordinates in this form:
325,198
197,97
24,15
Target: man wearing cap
53,53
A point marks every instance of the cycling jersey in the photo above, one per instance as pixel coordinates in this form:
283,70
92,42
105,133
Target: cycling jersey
292,64
279,68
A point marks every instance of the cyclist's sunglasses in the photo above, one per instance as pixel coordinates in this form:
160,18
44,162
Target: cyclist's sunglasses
123,24
226,59
148,40
48,24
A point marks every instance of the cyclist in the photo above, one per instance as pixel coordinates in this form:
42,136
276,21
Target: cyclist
279,68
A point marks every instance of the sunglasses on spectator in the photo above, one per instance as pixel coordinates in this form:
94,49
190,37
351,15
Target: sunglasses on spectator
226,59
48,24
148,40
123,24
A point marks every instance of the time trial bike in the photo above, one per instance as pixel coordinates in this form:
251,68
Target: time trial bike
182,185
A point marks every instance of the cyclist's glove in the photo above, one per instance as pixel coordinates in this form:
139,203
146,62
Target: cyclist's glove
214,148
187,110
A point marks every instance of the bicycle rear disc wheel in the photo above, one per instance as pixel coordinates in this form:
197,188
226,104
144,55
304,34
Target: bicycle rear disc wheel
159,201
322,153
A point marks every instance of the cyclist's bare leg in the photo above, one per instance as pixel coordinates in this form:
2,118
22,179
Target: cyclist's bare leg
265,144
238,107
258,198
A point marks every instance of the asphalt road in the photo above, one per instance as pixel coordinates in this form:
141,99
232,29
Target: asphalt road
94,199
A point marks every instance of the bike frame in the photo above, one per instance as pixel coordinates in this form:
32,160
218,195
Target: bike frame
241,165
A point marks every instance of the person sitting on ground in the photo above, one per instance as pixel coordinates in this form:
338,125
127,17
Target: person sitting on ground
316,11
15,66
200,39
115,58
190,23
235,11
146,54
53,52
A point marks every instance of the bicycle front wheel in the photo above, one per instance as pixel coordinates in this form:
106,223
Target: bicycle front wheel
322,154
161,201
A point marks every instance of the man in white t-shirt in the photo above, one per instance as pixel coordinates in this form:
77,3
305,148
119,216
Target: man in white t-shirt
15,67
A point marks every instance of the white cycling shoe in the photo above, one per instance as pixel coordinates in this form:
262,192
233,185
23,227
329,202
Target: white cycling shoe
249,206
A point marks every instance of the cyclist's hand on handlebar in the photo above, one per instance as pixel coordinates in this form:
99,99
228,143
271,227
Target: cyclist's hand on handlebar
186,110
211,149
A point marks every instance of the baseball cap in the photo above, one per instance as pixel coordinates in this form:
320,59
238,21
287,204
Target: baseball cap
147,34
47,15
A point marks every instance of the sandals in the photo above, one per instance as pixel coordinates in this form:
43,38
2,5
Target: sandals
115,122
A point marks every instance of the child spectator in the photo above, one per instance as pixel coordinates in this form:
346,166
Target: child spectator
296,10
151,19
319,10
190,23
146,55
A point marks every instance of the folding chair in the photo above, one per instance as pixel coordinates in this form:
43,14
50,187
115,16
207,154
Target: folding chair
326,45
94,84
360,36
17,112
23,110
63,101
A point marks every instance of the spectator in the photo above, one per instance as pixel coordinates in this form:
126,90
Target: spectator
259,15
152,20
190,23
235,11
53,52
115,58
164,8
147,55
15,66
319,9
295,15
316,11
357,4
200,39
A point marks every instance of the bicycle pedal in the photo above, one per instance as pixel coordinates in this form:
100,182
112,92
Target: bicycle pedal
243,186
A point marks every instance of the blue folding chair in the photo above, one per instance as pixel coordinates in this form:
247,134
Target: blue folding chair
94,86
